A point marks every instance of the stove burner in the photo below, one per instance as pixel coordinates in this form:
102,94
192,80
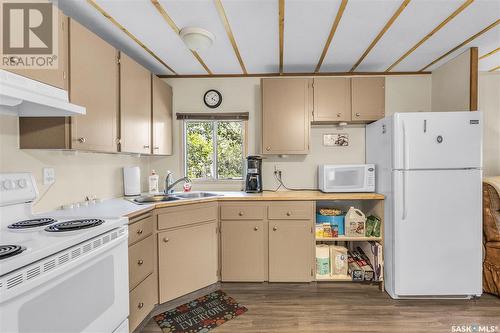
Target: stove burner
10,250
31,223
74,225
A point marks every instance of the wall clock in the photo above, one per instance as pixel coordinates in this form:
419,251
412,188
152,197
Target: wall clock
212,98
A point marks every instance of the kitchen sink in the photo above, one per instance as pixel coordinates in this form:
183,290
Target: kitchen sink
195,195
143,199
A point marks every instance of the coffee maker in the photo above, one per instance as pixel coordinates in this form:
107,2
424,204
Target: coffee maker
253,182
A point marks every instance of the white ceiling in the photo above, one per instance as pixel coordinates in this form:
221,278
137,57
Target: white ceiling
255,27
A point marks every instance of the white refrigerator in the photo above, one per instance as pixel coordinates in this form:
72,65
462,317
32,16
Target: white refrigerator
428,166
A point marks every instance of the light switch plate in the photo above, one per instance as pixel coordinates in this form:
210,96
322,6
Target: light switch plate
49,176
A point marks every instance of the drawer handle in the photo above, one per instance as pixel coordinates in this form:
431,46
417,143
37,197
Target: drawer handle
165,240
140,262
358,114
139,231
256,228
288,213
156,148
268,148
140,305
82,140
339,114
275,228
240,214
146,146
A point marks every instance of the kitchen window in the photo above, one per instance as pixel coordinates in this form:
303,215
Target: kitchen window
214,149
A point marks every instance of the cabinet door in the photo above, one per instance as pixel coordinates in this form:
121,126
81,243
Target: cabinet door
93,84
135,107
285,116
243,245
290,251
332,99
162,117
55,77
188,260
368,98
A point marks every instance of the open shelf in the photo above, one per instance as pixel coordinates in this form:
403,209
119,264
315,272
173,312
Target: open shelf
333,278
345,238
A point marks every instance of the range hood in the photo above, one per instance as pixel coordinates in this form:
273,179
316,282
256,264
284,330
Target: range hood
29,98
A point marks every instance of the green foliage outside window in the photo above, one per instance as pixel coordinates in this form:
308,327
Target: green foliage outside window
204,140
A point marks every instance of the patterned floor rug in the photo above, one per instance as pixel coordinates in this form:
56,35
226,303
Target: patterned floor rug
200,315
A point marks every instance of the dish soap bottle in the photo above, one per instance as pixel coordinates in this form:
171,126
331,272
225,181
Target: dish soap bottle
153,182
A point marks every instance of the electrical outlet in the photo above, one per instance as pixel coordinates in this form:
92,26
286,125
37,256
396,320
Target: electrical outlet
49,176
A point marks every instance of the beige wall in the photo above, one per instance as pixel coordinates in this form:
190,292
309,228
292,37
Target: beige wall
403,93
489,104
451,84
78,174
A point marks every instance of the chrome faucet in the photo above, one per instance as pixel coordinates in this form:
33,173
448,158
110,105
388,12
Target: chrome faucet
170,184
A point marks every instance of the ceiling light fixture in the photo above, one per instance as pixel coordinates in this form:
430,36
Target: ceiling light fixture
197,39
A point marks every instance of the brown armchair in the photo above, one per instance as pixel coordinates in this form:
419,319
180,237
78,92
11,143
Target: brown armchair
491,236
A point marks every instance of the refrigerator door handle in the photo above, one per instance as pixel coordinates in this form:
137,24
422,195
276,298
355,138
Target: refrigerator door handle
405,206
406,148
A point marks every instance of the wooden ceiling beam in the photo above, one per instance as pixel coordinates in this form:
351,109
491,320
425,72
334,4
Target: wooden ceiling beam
129,34
489,53
176,29
281,20
335,24
198,76
466,4
467,41
381,33
229,32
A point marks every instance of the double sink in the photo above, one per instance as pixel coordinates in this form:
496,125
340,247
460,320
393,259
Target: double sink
145,199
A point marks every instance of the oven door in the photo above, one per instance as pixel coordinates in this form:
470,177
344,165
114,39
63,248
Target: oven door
348,178
81,289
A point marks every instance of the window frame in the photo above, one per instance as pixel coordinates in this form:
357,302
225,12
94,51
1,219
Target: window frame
244,127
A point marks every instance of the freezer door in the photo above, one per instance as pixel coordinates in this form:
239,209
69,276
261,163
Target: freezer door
437,233
437,140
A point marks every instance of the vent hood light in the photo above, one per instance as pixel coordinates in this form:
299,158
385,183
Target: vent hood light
29,98
197,39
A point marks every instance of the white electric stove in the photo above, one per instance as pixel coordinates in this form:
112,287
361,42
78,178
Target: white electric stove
64,274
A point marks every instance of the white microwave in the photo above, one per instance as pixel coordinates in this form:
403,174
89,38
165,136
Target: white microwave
346,178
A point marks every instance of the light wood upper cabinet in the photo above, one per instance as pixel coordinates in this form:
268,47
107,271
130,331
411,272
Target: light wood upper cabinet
332,99
368,98
243,250
187,259
135,107
55,77
162,117
286,109
93,84
290,251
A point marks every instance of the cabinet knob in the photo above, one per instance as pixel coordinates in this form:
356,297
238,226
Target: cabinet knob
140,305
240,214
146,146
256,228
156,148
165,240
140,262
358,114
268,148
288,213
275,228
139,232
339,114
82,140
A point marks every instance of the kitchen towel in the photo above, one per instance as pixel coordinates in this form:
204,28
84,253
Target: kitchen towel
201,314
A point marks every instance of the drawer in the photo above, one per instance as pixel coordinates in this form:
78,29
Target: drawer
189,214
140,261
140,229
242,211
291,210
142,300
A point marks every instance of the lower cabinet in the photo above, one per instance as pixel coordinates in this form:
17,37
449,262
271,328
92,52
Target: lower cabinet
243,250
188,259
142,300
290,251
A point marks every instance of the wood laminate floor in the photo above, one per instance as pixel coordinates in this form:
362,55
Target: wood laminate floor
346,307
